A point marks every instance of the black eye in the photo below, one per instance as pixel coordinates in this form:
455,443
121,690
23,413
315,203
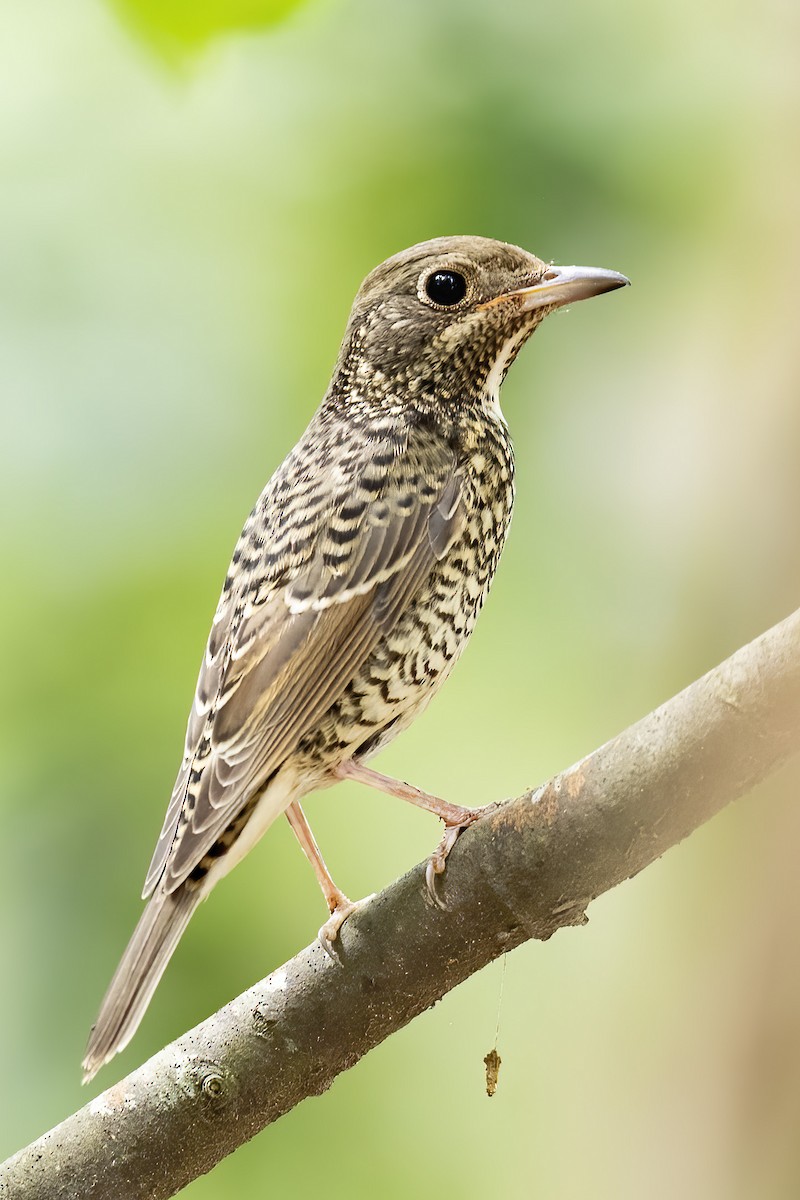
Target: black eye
446,287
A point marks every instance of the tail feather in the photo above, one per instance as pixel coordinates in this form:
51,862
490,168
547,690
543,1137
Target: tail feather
135,979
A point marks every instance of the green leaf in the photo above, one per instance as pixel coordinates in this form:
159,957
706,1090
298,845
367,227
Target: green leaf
175,26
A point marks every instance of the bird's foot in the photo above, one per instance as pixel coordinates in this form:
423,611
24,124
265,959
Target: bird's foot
341,909
438,860
456,818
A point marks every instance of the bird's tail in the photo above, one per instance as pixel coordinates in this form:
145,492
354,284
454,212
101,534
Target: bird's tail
135,979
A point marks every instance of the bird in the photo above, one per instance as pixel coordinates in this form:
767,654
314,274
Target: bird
354,585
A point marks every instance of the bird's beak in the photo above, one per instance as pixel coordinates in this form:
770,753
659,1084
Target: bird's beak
565,285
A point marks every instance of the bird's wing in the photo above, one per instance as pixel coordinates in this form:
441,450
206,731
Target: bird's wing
274,666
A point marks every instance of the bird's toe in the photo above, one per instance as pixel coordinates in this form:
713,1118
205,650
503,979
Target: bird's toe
328,935
438,860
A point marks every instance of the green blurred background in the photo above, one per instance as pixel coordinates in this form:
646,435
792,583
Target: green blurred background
186,213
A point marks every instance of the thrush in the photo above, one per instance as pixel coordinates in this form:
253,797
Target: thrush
355,584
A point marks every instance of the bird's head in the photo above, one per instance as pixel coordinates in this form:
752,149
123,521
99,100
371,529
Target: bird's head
447,317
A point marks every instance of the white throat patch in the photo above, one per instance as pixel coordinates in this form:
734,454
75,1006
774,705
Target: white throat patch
491,391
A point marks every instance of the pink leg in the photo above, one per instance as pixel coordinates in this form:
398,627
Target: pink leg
456,818
339,905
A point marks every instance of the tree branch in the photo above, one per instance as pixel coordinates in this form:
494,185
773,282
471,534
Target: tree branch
527,868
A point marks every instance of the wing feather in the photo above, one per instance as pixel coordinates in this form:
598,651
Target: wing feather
272,669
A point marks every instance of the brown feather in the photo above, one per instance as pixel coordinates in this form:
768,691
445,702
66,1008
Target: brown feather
286,660
135,979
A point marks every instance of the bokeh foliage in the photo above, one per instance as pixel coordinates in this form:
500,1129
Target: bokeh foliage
180,251
175,27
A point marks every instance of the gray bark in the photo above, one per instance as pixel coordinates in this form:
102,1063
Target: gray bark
527,868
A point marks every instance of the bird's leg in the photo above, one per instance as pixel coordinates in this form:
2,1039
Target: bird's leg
340,906
456,818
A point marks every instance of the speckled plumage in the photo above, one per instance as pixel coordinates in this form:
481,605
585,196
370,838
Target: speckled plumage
356,581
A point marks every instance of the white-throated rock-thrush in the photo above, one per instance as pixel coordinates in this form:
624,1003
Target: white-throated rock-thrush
355,584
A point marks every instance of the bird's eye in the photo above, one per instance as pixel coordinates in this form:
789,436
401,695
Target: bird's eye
446,288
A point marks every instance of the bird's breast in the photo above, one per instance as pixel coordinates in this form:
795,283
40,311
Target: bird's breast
488,497
415,656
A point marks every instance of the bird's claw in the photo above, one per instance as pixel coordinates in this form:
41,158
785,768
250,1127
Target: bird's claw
438,860
328,934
